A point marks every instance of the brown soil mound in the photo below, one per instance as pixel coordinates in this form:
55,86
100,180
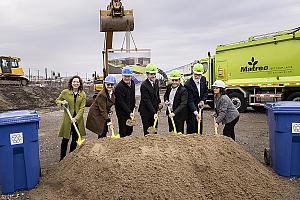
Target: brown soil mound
32,97
27,97
161,167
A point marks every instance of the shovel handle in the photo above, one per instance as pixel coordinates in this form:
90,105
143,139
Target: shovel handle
133,113
172,120
155,122
216,128
174,126
79,140
199,121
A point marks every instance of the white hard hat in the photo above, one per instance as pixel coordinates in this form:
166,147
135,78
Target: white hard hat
219,84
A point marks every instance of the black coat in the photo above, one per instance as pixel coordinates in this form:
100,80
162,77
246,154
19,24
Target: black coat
149,98
193,94
179,103
125,99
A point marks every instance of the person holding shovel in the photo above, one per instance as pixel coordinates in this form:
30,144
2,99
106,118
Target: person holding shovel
125,101
150,101
75,98
176,98
225,112
98,115
197,95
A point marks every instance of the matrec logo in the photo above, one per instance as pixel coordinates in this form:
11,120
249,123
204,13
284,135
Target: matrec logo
252,66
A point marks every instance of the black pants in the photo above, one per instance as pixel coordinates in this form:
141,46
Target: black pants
104,131
229,128
124,130
64,143
192,124
179,125
147,122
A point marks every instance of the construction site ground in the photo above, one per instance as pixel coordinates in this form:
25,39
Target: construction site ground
251,136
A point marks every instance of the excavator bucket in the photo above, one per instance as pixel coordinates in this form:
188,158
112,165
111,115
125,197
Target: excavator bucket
109,23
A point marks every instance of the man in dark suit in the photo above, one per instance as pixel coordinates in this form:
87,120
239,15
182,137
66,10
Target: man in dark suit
125,101
176,98
150,101
197,95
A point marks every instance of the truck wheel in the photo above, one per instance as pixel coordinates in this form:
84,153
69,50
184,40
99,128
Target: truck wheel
238,101
294,97
267,156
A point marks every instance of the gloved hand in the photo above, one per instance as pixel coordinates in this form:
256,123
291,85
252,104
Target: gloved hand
214,114
167,103
160,106
110,125
64,103
172,114
73,120
201,104
155,116
216,125
131,115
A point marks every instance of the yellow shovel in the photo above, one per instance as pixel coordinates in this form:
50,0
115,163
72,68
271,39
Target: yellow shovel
113,134
216,126
152,129
199,121
173,123
79,141
132,120
111,127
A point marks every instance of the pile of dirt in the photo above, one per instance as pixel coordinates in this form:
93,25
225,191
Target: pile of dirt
161,167
27,97
31,97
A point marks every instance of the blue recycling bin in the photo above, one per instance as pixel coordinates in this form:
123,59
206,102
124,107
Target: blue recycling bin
19,151
284,137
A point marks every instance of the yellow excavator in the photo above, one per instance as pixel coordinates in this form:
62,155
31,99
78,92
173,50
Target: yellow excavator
10,71
113,19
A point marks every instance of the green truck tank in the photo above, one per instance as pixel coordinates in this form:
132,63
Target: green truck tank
262,69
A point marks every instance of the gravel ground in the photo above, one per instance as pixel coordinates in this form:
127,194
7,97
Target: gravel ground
251,134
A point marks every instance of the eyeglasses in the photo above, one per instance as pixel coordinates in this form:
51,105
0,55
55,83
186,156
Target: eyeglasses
110,84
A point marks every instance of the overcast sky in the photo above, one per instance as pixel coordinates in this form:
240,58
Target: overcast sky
64,35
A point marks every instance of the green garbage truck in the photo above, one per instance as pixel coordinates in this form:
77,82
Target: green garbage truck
264,68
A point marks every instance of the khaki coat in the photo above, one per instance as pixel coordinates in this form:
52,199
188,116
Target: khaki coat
65,128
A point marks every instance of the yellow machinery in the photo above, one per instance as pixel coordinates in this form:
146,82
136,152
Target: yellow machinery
98,85
114,19
10,71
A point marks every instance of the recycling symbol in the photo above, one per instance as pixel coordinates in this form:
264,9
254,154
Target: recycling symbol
296,127
16,138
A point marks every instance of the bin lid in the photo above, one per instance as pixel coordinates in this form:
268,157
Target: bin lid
17,117
284,106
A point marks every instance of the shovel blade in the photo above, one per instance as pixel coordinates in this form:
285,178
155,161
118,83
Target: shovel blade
115,136
79,142
131,122
151,130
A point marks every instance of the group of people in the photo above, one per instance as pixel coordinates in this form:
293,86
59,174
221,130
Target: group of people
184,104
